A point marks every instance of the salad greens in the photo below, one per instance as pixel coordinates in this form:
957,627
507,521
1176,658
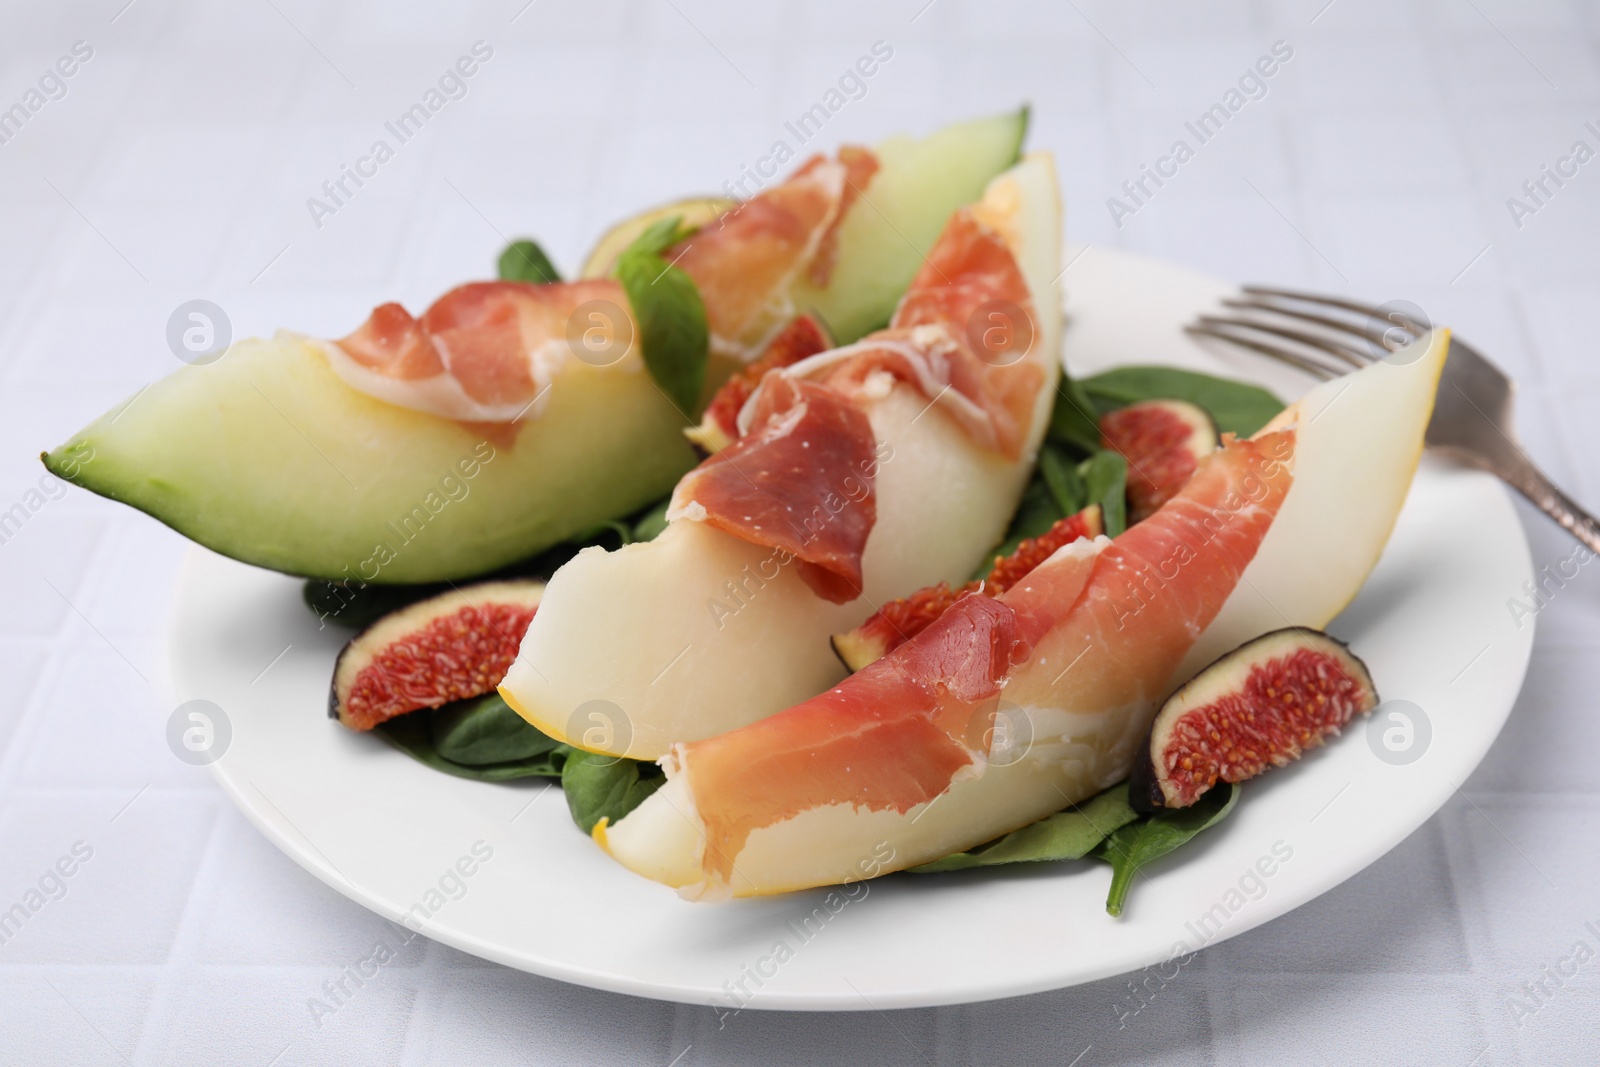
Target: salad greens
673,336
1139,843
524,261
495,756
606,786
1066,835
1235,407
1103,827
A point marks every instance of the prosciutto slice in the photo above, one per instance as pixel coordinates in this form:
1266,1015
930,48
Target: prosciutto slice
801,483
486,352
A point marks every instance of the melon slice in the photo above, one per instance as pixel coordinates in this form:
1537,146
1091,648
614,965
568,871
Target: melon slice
270,457
699,632
877,775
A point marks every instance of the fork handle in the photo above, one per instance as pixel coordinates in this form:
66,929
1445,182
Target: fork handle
1520,473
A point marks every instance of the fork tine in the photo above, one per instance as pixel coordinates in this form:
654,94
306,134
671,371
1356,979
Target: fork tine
1333,348
1294,359
1340,326
1367,310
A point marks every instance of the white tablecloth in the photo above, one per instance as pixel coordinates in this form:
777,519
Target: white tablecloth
1386,157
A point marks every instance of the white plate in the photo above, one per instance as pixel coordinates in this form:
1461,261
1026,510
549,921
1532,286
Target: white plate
378,827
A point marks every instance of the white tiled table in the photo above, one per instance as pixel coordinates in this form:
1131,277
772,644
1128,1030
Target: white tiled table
178,164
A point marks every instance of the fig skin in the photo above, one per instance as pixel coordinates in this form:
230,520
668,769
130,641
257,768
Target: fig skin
1230,675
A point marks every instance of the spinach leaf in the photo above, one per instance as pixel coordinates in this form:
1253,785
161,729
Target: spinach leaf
1074,420
484,730
1066,835
1063,480
525,261
606,786
412,735
1236,407
674,340
1140,843
1105,482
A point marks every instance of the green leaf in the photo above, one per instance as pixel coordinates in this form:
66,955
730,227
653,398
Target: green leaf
485,730
412,735
659,236
1066,835
1140,843
1074,421
674,339
1062,479
652,522
1105,481
525,261
1234,406
606,786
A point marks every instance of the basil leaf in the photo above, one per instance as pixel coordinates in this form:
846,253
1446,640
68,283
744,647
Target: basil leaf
411,734
1066,835
606,786
1140,843
485,730
525,261
1105,481
1062,479
674,339
1234,406
659,236
1074,420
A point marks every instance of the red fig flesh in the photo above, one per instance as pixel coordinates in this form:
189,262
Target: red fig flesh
1260,706
449,647
1163,441
899,621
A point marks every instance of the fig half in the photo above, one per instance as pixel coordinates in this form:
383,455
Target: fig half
1163,441
449,647
900,620
1261,705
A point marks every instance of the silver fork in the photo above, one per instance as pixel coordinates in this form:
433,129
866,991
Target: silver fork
1472,418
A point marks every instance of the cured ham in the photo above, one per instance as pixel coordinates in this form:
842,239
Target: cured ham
746,261
488,351
801,483
719,425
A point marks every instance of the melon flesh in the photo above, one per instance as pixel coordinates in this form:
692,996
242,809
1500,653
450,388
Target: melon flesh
1357,444
271,458
699,632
